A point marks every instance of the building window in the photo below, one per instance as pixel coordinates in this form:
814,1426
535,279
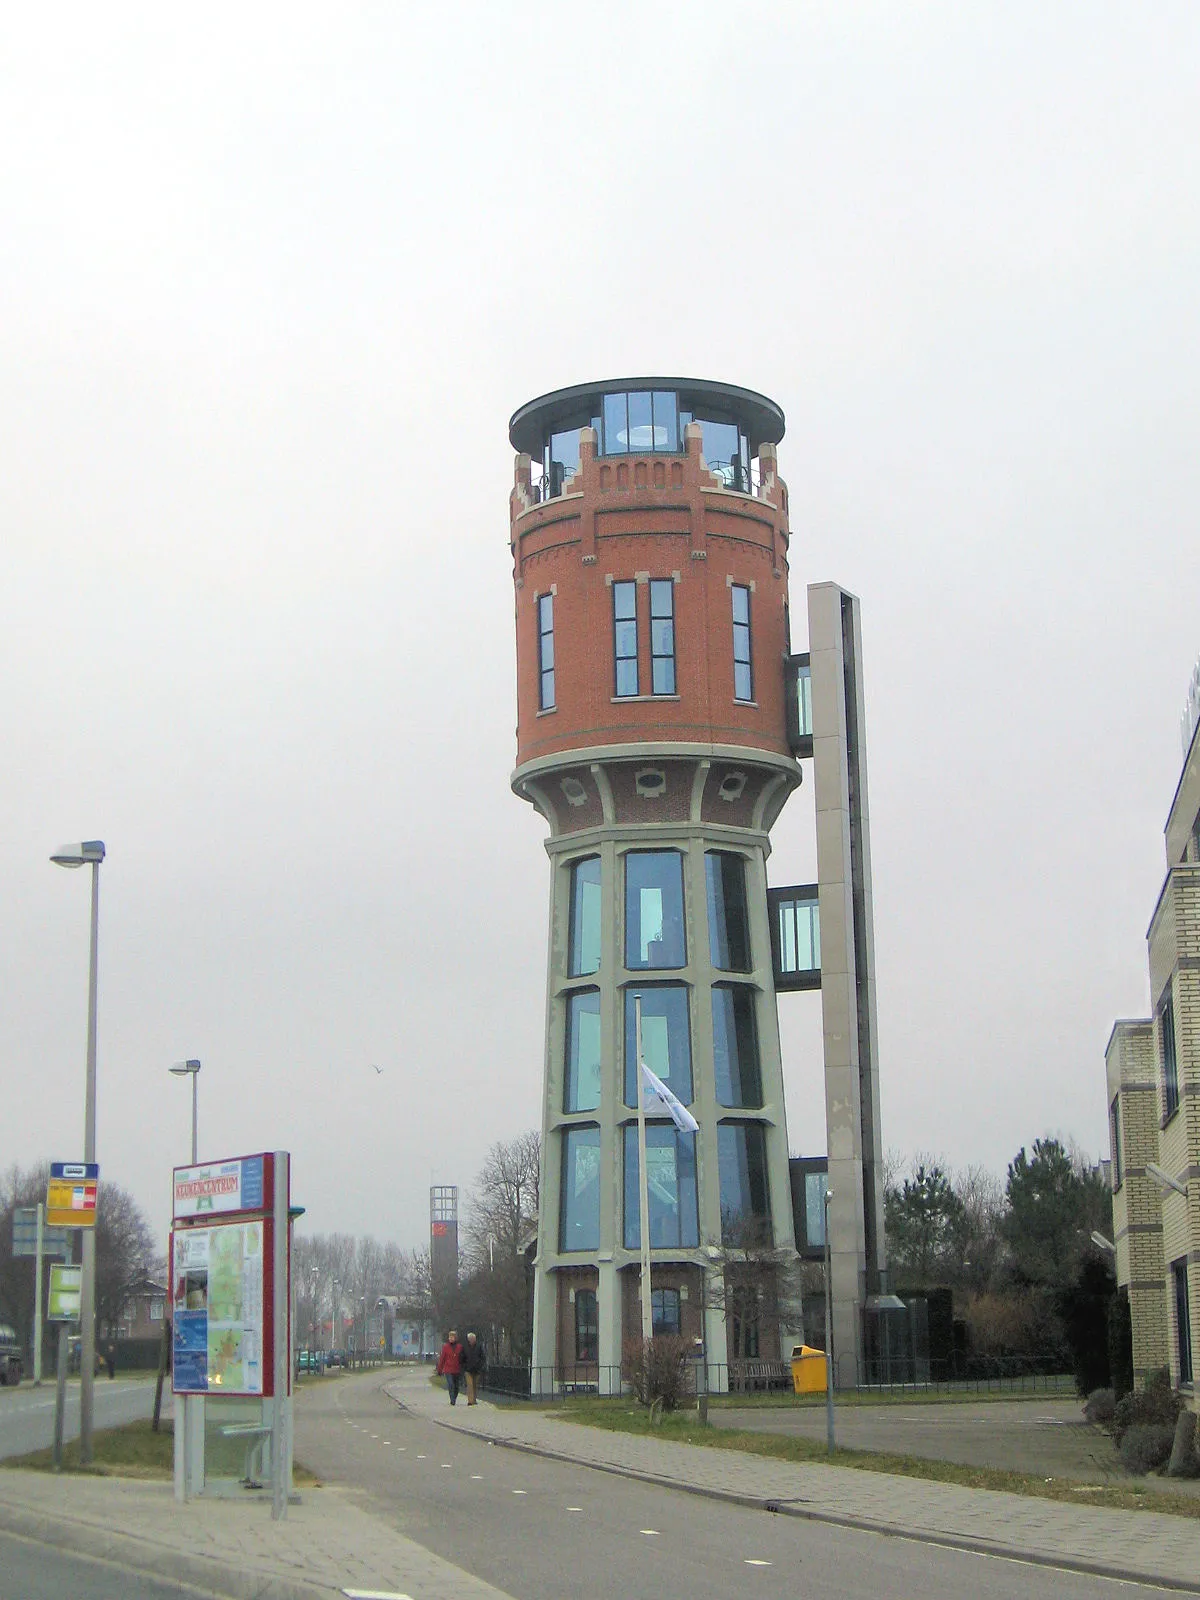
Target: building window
625,643
1183,1319
742,1170
584,953
546,652
1170,1065
728,922
665,1313
666,1039
1114,1139
581,1090
587,1326
639,423
743,674
654,932
579,1211
662,636
735,1046
156,1309
814,1209
797,932
670,1185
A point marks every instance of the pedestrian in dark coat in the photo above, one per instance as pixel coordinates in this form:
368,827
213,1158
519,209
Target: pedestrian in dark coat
449,1364
474,1359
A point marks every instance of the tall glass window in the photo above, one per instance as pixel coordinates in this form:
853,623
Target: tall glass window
742,1169
545,652
728,920
1170,1065
584,953
581,1079
579,1210
666,1039
1114,1134
814,1208
662,636
665,1313
625,644
654,931
743,673
587,1326
670,1184
1183,1319
735,1046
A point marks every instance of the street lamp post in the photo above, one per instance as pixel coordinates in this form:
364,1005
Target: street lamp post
185,1069
829,1432
89,853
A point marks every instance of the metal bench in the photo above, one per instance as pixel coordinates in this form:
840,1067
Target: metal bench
255,1435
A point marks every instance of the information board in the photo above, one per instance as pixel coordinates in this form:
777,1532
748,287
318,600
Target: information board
217,1286
24,1236
219,1188
66,1289
71,1194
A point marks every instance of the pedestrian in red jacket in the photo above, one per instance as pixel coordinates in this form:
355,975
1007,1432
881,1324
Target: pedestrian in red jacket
449,1364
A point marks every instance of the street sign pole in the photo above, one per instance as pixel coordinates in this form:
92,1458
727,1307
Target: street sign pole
282,1365
60,1396
37,1298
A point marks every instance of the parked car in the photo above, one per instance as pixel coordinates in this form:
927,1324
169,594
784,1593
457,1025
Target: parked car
12,1361
310,1361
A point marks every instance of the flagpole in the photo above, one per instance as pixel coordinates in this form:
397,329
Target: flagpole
643,1181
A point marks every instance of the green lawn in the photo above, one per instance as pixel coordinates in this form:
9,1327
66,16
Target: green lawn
136,1451
620,1416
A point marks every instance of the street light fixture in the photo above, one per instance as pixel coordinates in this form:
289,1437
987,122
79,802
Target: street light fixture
183,1069
89,853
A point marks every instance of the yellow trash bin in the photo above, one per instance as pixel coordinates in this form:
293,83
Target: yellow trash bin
808,1369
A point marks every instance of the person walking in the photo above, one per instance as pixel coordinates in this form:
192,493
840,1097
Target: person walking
449,1364
474,1359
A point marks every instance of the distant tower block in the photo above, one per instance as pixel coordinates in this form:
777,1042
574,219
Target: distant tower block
649,532
443,1236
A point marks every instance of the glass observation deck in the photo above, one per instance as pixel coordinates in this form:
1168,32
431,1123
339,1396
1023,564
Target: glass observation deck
647,416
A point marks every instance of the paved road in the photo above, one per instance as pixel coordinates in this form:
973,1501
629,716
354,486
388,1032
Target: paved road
32,1571
27,1414
1044,1436
543,1530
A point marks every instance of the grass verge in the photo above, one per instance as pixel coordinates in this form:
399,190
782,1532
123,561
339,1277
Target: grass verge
618,1416
136,1451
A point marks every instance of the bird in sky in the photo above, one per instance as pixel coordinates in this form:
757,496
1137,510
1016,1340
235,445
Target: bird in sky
378,1069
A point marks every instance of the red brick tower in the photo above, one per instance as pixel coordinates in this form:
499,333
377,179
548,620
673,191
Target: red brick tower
649,531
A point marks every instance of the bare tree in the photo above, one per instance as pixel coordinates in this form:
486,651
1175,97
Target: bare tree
504,1199
124,1253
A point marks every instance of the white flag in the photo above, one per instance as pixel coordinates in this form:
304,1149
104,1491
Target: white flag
655,1092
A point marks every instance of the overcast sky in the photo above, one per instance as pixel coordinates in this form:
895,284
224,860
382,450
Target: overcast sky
272,280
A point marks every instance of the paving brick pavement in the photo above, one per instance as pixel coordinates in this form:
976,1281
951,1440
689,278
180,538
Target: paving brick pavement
1139,1545
230,1547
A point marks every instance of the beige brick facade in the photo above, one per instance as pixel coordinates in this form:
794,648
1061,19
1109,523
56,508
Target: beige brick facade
1133,1111
1153,1070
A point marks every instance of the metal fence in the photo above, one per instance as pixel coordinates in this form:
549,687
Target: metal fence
1015,1375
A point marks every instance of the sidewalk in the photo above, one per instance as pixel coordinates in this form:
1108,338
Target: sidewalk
1143,1546
326,1545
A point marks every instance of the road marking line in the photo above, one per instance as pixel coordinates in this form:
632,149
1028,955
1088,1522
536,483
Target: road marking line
574,1508
387,1441
751,1562
518,1491
446,1465
374,1594
477,1477
651,1533
420,1456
